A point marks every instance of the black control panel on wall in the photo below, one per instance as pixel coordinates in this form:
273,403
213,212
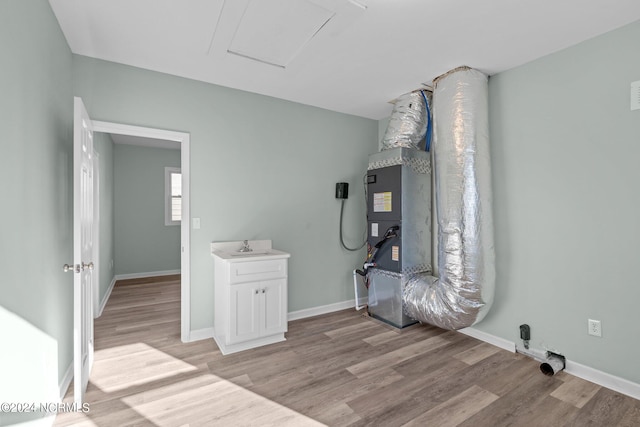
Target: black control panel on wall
342,190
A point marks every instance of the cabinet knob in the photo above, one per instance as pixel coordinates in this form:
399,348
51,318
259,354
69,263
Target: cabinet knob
264,290
257,290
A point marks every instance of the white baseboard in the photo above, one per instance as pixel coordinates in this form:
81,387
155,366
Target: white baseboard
491,339
323,309
603,379
147,274
107,294
205,333
362,302
234,348
200,334
65,382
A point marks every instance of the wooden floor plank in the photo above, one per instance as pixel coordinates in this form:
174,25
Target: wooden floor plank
355,329
351,390
338,369
477,353
605,408
391,403
397,356
455,410
548,411
576,392
632,417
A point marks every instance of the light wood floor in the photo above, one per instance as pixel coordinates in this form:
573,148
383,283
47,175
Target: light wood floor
341,369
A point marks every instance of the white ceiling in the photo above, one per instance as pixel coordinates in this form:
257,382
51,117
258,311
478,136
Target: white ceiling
350,56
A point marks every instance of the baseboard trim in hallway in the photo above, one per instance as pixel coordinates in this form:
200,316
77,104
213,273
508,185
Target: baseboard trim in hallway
146,274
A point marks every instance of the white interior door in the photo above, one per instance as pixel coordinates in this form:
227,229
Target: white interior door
82,249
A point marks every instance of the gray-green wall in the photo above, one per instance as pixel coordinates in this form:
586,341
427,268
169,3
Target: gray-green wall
261,168
565,148
36,113
143,244
103,144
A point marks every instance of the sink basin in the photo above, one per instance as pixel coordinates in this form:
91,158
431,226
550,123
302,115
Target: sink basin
252,253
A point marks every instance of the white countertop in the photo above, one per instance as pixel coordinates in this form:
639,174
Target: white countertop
261,250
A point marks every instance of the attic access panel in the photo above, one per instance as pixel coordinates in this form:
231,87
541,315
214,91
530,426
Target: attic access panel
275,31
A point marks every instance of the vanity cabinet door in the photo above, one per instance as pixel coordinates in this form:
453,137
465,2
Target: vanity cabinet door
274,316
257,309
244,312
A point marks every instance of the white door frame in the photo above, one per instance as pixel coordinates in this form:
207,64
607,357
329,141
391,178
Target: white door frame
185,237
96,232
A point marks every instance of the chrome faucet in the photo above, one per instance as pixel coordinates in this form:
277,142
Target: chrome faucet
245,247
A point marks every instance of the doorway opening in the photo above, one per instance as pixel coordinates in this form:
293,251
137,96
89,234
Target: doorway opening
166,138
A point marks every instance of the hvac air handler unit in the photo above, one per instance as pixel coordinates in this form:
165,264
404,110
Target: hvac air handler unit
403,285
399,228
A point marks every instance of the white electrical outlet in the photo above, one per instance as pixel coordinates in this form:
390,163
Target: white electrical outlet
595,328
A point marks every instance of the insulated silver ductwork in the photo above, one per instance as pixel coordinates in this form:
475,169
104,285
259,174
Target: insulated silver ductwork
463,293
408,122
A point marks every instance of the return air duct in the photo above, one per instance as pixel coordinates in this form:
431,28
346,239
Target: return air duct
408,122
463,293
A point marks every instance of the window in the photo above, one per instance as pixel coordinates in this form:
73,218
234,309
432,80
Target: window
172,196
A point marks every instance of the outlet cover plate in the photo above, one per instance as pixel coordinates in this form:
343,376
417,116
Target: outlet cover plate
595,328
635,95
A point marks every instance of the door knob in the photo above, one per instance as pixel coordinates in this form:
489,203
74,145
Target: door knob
68,267
87,266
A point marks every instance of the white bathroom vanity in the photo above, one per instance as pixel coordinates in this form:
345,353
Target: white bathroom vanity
250,295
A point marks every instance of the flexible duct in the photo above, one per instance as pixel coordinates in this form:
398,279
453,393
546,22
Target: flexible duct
408,122
552,365
463,293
